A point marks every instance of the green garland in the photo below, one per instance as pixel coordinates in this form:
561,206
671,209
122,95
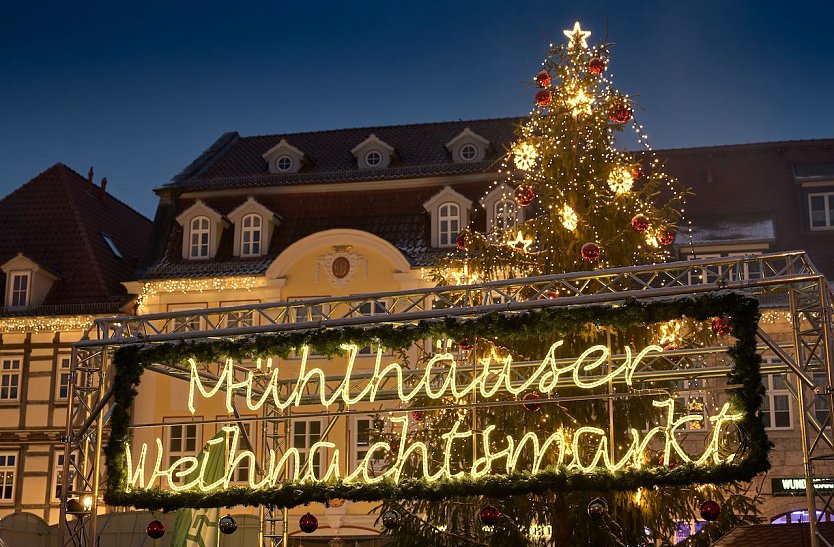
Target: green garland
130,361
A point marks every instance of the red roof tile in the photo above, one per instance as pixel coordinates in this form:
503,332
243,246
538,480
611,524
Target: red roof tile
58,220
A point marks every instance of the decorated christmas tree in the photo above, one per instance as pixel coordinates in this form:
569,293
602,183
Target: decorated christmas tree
569,197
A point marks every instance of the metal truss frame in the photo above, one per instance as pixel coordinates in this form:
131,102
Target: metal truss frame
787,279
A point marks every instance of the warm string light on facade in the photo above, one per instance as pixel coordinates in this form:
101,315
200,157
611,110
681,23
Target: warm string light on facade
46,323
198,285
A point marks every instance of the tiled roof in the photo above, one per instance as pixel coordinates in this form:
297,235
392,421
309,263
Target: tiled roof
57,220
774,535
749,189
420,151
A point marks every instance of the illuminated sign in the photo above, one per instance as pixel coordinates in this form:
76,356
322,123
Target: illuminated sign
796,486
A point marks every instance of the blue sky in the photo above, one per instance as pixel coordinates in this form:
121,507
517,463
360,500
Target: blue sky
140,89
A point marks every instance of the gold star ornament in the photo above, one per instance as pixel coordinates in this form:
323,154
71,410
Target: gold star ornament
577,36
520,242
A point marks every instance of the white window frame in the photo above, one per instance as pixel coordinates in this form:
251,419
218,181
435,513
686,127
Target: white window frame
58,473
251,236
184,324
11,368
62,376
318,312
448,224
284,163
357,450
468,146
827,211
504,214
240,318
8,476
769,401
378,158
242,472
309,439
184,450
200,249
15,293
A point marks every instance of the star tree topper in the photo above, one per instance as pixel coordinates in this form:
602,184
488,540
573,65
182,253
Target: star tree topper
577,36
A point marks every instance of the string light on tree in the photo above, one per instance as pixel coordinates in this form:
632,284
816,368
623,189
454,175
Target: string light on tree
569,218
524,155
620,180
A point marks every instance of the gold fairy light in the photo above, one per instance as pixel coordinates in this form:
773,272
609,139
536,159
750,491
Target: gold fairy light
577,36
525,155
569,218
520,242
620,180
578,100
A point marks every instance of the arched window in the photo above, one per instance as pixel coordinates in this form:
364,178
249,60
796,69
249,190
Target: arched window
504,214
250,233
448,223
199,247
800,516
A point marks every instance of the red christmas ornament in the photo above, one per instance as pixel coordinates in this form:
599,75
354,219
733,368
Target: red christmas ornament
668,236
620,112
710,510
637,171
461,241
155,529
543,78
417,415
721,325
543,97
548,295
640,222
465,345
590,251
531,404
524,195
308,523
489,515
596,66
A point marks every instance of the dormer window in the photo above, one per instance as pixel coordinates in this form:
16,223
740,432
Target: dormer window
449,212
284,163
284,158
254,224
201,230
373,153
200,233
20,285
467,146
250,244
502,211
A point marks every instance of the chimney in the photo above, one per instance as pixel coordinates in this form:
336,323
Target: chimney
90,178
103,187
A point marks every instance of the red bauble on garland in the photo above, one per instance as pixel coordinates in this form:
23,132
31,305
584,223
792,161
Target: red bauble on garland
637,171
590,251
543,97
308,523
531,403
710,510
596,66
417,415
640,222
671,347
620,112
524,195
668,237
543,78
465,344
460,242
489,515
721,325
155,529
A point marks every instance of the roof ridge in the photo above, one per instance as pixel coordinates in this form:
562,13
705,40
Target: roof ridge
758,144
81,227
388,126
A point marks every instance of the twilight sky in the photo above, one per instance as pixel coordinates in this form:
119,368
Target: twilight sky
139,89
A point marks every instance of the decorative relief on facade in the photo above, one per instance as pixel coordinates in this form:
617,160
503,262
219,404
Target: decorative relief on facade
341,265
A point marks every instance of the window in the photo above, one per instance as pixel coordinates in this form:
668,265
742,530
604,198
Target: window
112,245
504,213
776,408
19,289
251,236
751,269
199,238
449,224
186,323
243,469
305,433
468,152
801,516
375,307
821,207
821,412
9,379
63,374
182,441
283,163
8,471
58,474
373,158
361,436
240,319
